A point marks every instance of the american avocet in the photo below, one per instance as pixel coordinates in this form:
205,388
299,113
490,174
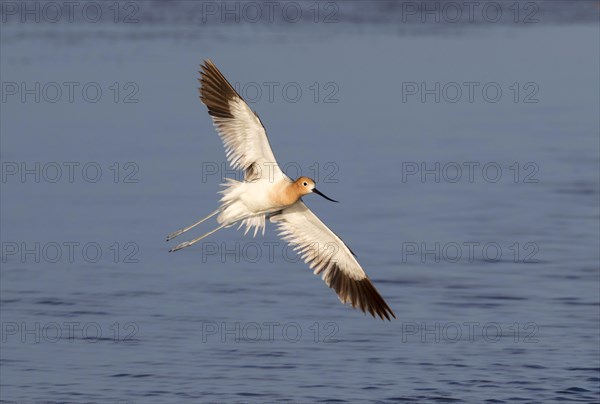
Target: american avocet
267,192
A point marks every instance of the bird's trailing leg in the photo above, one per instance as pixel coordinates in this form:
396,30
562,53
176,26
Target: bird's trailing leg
181,231
194,241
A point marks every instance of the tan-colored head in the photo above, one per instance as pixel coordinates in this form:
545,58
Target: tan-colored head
304,186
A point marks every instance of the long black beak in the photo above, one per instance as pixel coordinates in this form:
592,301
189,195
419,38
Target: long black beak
316,191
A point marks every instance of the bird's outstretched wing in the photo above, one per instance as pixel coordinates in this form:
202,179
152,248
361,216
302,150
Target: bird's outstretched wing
243,135
327,254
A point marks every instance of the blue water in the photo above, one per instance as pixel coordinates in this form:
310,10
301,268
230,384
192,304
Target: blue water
494,279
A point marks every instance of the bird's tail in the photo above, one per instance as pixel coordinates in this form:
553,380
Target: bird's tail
231,211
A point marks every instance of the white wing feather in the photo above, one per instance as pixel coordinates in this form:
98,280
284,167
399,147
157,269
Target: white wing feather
328,255
243,134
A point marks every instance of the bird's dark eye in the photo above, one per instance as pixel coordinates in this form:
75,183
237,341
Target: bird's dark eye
305,184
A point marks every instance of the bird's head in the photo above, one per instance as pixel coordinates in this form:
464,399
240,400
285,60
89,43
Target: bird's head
306,186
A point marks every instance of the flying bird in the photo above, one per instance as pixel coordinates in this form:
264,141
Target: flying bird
268,193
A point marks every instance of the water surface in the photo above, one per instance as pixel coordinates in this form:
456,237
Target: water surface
514,318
